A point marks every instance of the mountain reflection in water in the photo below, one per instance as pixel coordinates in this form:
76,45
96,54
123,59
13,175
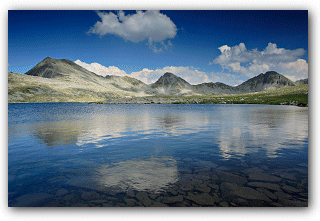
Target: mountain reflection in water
235,131
57,133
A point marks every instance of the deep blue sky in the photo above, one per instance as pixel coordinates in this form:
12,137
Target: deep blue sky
35,35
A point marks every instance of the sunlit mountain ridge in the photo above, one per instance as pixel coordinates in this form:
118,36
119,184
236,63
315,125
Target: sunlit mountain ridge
62,80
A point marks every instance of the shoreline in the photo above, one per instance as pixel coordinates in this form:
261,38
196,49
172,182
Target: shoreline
150,103
296,95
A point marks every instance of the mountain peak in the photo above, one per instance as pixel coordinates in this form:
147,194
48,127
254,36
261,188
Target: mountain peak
169,79
269,80
171,84
47,59
54,68
168,74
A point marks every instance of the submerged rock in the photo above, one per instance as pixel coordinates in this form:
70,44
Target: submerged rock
203,188
231,191
69,197
231,178
174,199
224,204
130,202
264,177
89,195
252,170
283,196
267,193
158,204
62,192
293,202
289,176
270,186
144,198
186,187
203,199
98,201
291,189
33,200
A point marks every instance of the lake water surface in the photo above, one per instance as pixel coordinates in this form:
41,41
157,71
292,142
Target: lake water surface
77,154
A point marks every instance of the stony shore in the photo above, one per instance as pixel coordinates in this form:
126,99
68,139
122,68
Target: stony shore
193,100
153,100
297,96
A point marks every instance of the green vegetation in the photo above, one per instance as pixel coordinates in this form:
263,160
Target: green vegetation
33,89
294,95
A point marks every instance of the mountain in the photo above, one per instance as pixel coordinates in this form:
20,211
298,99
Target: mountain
214,88
62,80
268,81
172,85
55,68
301,82
65,69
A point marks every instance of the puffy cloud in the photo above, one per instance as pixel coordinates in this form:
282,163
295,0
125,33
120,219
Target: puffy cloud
190,74
238,53
295,70
227,78
102,70
149,25
161,47
252,62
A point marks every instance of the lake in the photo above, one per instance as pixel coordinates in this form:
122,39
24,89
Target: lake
79,154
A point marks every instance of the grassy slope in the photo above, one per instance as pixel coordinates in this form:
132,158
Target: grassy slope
296,95
32,89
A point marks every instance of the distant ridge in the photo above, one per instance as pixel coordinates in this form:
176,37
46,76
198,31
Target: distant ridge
301,82
64,80
215,88
269,80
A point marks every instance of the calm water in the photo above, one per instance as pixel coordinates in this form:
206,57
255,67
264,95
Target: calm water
75,154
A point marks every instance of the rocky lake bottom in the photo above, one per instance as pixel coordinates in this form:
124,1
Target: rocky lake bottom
248,186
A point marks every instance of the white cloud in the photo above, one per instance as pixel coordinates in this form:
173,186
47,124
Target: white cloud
143,25
102,70
146,75
160,47
190,74
249,63
227,78
295,70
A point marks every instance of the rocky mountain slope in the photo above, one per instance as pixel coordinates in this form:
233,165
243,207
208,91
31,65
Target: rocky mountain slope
214,88
301,82
171,84
55,68
268,81
55,80
61,80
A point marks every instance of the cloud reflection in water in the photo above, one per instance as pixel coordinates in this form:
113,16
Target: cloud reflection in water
264,128
234,129
152,174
